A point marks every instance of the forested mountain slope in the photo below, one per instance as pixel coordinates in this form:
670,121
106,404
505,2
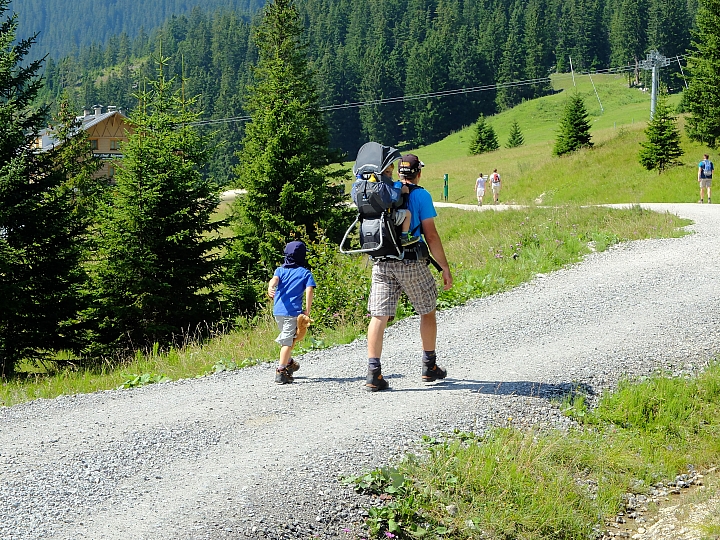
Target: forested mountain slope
374,52
65,25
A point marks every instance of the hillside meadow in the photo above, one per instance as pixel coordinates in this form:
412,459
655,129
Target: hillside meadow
609,173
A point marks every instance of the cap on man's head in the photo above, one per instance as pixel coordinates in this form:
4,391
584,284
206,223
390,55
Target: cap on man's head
410,165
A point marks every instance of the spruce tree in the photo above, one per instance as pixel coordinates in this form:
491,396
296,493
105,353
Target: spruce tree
512,65
484,139
284,162
516,137
662,147
158,272
40,270
574,129
703,92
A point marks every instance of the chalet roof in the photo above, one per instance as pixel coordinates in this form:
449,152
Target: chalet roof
49,140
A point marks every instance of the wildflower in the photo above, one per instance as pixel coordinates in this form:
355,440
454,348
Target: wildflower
389,534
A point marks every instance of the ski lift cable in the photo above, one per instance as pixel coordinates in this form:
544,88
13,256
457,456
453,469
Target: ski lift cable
440,93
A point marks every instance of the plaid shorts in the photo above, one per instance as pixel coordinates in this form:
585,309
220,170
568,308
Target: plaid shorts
390,278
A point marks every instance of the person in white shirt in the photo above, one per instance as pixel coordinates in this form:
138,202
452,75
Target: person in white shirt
480,188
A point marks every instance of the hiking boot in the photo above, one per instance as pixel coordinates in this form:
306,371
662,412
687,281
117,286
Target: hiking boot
432,373
292,367
409,239
709,200
375,381
283,376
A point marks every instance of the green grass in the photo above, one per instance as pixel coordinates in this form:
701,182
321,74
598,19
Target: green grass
531,484
609,173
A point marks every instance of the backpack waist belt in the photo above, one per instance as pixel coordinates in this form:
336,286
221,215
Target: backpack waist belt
417,252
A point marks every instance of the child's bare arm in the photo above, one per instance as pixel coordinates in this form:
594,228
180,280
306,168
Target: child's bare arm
309,292
404,189
272,286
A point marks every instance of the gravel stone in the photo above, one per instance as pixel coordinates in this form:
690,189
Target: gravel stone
236,456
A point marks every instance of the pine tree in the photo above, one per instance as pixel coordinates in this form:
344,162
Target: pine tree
158,272
628,37
40,272
284,163
662,147
703,92
512,65
484,139
516,137
574,129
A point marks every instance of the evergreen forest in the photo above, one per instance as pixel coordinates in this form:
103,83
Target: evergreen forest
373,52
63,27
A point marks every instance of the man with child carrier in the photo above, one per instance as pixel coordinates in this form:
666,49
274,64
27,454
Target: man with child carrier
407,271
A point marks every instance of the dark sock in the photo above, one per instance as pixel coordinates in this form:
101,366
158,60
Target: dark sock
373,364
428,358
403,235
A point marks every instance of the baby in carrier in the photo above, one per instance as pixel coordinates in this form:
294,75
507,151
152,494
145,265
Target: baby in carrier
402,214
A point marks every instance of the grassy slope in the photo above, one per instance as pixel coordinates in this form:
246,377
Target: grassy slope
584,177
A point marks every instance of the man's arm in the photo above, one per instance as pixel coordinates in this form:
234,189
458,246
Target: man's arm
436,249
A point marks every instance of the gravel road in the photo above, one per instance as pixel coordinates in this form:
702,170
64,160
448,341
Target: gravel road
236,456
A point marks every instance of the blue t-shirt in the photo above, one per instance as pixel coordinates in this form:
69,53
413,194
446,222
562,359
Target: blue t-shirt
290,290
421,207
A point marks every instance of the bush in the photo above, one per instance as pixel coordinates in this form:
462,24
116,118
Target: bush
343,284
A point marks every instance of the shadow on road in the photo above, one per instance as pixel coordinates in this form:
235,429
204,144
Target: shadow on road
508,388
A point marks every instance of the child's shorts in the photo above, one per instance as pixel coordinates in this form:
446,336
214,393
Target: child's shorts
400,214
288,327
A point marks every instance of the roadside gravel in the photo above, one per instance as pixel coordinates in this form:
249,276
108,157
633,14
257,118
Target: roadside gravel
236,456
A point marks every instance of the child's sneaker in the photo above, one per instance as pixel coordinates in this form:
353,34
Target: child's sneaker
292,367
432,373
283,376
409,239
375,381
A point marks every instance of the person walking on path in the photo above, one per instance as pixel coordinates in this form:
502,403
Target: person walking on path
495,183
705,171
412,276
480,189
286,288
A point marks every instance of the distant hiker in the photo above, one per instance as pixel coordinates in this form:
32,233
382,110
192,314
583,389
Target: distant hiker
480,189
705,172
286,288
495,183
411,275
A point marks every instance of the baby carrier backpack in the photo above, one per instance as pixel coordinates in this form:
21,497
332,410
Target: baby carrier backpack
377,200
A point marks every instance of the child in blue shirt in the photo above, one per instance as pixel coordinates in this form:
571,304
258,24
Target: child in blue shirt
286,287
